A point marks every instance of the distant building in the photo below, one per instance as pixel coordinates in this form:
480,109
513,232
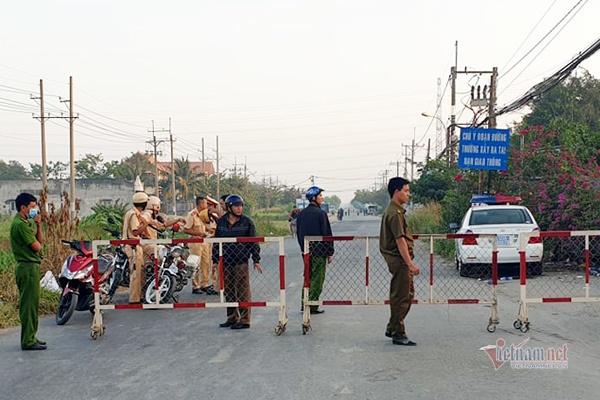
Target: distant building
88,192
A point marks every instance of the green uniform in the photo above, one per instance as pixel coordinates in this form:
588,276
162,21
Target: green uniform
402,291
27,274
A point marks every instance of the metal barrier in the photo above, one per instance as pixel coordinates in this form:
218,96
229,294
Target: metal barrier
570,270
268,288
359,275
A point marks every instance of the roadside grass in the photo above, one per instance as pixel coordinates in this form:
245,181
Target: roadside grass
428,220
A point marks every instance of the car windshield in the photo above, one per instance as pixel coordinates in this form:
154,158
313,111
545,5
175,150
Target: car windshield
499,217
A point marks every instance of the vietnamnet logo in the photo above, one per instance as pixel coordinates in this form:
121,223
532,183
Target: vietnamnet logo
521,357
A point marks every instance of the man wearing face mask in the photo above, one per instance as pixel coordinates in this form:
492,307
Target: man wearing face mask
26,244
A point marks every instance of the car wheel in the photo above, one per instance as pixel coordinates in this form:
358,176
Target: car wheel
536,269
463,270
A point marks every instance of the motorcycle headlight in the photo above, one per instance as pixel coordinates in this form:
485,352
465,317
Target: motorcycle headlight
176,251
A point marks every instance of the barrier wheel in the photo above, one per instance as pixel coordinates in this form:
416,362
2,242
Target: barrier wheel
517,324
94,335
491,328
304,329
525,327
279,330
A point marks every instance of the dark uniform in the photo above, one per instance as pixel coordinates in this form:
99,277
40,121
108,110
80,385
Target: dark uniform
235,265
402,291
312,221
27,274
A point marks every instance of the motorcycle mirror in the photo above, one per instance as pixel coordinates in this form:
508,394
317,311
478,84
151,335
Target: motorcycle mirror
111,220
160,219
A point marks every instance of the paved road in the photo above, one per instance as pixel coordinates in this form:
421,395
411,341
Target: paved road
183,354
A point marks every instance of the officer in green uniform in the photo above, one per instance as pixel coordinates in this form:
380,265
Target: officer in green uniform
26,243
396,247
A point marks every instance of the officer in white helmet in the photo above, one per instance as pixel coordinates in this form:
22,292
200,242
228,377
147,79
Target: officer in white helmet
151,214
135,227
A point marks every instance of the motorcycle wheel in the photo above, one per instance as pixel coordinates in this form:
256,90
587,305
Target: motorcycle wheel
114,281
165,290
66,308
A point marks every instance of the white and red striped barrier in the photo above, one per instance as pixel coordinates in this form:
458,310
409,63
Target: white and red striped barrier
359,275
268,260
567,274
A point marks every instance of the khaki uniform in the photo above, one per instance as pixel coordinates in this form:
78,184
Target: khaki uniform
148,249
402,291
131,222
202,250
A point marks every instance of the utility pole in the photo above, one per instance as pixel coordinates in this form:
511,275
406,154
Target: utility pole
173,171
203,162
42,120
491,113
412,159
155,144
405,146
71,119
218,172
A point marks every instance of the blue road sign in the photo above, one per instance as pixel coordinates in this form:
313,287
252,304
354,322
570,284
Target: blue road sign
482,148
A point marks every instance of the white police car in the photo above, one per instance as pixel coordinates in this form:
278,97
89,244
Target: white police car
496,215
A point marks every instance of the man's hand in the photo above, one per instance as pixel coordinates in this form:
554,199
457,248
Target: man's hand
414,270
329,259
258,267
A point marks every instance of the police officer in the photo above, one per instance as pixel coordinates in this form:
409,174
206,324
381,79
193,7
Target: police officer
26,244
134,227
396,247
312,221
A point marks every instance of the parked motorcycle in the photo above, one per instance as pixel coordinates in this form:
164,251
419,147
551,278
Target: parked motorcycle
175,269
76,280
118,274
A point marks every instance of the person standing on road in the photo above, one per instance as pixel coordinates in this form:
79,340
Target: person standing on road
396,246
312,221
134,227
236,273
195,227
26,244
292,219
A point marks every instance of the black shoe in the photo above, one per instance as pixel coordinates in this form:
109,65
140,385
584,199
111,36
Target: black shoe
388,334
227,324
404,342
240,326
35,346
317,311
197,291
41,342
210,291
135,302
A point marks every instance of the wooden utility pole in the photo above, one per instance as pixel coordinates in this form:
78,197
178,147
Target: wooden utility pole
172,171
218,172
72,146
43,124
155,144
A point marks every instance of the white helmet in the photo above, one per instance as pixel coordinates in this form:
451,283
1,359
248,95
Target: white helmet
140,198
153,203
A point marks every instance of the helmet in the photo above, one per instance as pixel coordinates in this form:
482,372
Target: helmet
153,203
234,200
204,217
140,197
313,191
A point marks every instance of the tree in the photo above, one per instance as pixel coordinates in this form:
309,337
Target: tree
135,165
13,170
334,200
91,167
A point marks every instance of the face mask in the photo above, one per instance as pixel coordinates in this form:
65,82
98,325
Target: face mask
32,213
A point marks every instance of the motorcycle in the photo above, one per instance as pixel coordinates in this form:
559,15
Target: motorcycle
76,280
119,268
175,269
